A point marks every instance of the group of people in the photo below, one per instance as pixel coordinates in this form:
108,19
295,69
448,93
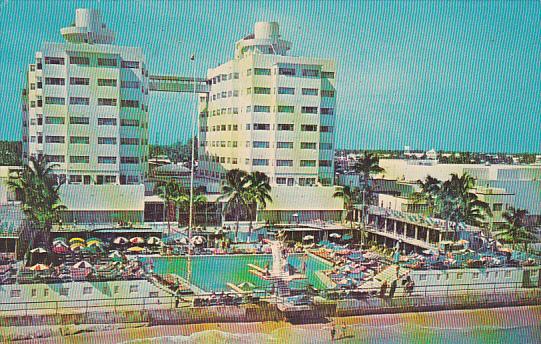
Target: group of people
407,283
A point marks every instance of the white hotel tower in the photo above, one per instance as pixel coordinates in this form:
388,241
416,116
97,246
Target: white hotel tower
269,112
85,106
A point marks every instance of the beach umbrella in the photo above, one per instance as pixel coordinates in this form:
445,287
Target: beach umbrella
182,241
74,240
39,267
60,249
94,243
308,237
60,243
198,240
335,235
347,237
135,249
137,240
76,246
59,240
154,241
114,254
93,249
82,265
120,241
38,250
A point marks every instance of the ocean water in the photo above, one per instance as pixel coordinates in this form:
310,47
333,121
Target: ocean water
365,334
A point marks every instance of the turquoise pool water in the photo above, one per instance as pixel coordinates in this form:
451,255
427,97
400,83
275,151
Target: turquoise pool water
212,273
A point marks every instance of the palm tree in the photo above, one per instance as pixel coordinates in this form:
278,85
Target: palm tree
258,193
366,166
37,187
168,192
235,192
515,231
349,196
456,202
430,189
182,202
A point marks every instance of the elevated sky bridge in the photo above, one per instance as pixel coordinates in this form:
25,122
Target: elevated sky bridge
179,84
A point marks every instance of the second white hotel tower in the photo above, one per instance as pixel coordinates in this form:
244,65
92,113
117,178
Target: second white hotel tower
269,112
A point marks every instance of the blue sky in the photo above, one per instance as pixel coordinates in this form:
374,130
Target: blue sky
453,76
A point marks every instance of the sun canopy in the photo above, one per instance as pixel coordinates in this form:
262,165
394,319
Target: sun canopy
82,265
39,267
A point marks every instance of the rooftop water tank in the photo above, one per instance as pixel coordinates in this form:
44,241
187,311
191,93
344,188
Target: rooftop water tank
266,30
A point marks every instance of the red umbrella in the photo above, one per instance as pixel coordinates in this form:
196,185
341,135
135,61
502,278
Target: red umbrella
60,249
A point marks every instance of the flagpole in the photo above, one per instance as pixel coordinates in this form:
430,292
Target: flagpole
190,219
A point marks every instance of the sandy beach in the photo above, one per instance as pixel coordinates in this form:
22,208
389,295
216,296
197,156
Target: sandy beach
517,324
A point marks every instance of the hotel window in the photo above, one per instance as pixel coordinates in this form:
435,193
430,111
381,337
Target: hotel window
224,94
45,292
308,145
326,146
79,81
79,159
287,71
106,160
235,111
107,62
328,75
260,162
34,292
234,144
497,207
107,82
63,291
475,275
326,129
261,126
55,81
129,141
134,288
54,60
286,90
224,77
327,93
130,64
230,93
234,161
54,139
260,144
129,122
262,71
327,111
54,120
79,120
308,127
325,163
106,102
422,277
235,75
284,163
262,90
261,108
80,140
55,100
308,163
248,126
87,290
235,127
55,158
307,181
129,160
79,60
286,108
129,103
281,180
507,274
235,93
309,91
107,140
248,72
310,73
106,121
129,84
218,78
79,101
15,293
284,145
285,127
248,90
309,109
459,275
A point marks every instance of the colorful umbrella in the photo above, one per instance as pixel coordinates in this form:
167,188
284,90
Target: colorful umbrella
77,246
115,254
94,243
198,240
335,235
60,249
120,241
135,249
60,243
154,241
74,240
308,237
82,265
39,267
137,240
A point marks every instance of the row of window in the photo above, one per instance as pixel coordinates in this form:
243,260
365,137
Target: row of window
305,72
86,81
85,159
85,61
125,103
63,291
57,120
85,140
223,127
268,91
265,108
266,162
290,127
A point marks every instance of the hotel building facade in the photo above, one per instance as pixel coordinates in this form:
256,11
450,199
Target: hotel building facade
86,106
269,112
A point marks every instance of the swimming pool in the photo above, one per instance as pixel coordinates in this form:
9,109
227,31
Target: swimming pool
212,273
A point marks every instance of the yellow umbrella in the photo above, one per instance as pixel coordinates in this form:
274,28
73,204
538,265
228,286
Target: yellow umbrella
77,245
73,240
135,249
39,267
94,243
